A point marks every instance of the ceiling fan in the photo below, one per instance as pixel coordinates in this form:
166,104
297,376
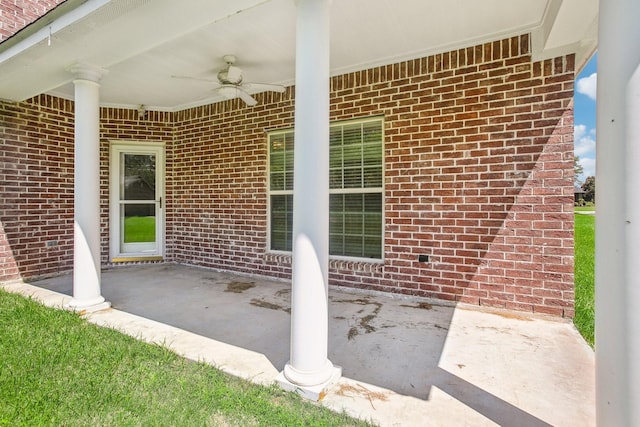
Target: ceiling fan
230,85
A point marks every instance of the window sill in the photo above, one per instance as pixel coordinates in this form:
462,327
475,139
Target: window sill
352,265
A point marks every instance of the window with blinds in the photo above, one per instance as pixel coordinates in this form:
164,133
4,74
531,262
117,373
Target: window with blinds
355,189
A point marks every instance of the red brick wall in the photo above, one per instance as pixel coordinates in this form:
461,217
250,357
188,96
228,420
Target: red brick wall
17,14
36,187
219,195
127,126
477,175
478,158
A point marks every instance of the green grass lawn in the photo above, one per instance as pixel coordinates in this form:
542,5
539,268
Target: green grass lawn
584,275
140,229
58,369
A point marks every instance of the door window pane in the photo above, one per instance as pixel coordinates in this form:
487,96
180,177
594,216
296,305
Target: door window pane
139,222
139,177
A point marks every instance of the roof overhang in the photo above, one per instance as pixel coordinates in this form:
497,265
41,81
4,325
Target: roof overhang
144,43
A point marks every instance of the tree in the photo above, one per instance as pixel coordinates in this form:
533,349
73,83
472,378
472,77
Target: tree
589,188
577,170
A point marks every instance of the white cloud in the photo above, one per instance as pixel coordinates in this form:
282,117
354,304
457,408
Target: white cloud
584,141
588,85
584,146
588,167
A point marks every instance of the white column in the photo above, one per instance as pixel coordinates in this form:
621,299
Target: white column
309,370
618,216
86,221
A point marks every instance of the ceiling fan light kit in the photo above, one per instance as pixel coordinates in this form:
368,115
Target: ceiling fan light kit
228,91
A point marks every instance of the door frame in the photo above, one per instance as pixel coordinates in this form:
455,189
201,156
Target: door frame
135,147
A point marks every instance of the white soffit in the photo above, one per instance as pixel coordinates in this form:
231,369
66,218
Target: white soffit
143,43
113,32
575,30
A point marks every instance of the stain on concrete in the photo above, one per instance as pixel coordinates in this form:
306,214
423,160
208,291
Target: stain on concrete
271,306
363,323
283,293
420,305
239,287
359,301
353,331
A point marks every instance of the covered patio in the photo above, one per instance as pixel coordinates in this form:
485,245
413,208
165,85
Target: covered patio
465,194
405,361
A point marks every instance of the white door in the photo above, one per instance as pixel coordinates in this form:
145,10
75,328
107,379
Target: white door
136,193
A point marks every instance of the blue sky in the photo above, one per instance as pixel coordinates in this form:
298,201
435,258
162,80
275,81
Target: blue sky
584,129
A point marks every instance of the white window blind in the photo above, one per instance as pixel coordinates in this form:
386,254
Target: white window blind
355,195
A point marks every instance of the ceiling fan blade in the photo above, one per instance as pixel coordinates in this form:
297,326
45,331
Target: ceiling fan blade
248,99
263,87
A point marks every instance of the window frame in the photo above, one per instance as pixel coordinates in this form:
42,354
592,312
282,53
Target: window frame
361,190
274,192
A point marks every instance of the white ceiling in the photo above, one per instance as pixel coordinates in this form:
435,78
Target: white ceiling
143,43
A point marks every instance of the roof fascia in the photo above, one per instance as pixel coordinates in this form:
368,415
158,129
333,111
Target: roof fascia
44,27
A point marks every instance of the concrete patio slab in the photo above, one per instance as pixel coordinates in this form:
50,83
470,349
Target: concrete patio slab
406,361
